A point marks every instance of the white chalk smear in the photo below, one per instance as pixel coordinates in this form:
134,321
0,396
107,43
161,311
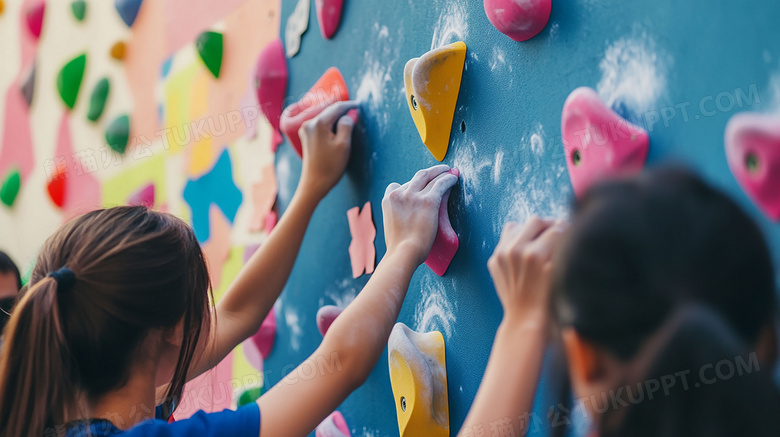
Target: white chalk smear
434,311
376,74
536,141
499,59
342,295
283,177
293,324
497,167
452,25
471,165
633,73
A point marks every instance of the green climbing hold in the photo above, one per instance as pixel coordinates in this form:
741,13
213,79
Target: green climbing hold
209,45
79,8
97,101
118,133
250,396
69,80
10,188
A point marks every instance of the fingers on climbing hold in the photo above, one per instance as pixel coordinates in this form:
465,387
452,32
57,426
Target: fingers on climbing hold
446,243
418,375
432,84
753,153
519,20
598,142
329,89
333,426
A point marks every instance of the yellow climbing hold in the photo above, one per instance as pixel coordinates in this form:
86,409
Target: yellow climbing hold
418,375
118,50
432,84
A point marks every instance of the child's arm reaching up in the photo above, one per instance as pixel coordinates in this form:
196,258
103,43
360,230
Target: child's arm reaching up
252,295
355,341
521,268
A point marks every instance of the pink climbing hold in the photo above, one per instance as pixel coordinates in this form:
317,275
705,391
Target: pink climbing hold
142,197
271,79
519,20
598,142
329,16
333,426
266,335
753,153
446,244
326,316
35,18
330,89
362,253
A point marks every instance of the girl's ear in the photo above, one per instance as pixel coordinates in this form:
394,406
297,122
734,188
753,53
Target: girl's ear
586,363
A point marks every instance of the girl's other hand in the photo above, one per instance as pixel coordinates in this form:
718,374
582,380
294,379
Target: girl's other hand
411,211
521,267
325,153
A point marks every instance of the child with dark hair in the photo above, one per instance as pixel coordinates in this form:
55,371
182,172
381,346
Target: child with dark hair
659,279
118,314
10,284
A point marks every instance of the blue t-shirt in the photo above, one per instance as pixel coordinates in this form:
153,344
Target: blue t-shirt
244,422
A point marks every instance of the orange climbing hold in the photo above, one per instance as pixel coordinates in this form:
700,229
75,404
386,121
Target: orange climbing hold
118,50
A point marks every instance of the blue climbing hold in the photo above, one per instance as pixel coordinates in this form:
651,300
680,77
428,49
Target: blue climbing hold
217,187
128,10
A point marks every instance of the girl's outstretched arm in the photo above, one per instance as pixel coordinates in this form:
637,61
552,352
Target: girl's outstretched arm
521,267
251,297
355,341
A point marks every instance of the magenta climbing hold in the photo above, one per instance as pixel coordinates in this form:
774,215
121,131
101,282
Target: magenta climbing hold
446,243
271,79
34,18
598,142
329,16
333,426
519,20
326,316
329,89
753,153
142,197
266,335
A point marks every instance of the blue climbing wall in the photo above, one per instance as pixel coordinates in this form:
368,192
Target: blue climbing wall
680,69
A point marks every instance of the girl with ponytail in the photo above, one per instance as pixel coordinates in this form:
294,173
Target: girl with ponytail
658,277
118,314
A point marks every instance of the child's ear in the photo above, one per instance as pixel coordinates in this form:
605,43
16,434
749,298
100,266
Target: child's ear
586,363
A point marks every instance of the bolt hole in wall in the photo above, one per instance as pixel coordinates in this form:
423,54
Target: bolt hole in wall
463,126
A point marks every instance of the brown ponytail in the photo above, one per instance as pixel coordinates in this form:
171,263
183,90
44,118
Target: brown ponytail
34,393
135,271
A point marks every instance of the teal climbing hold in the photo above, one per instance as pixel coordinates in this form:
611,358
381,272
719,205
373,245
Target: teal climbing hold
249,396
97,101
79,9
69,80
10,188
209,45
118,133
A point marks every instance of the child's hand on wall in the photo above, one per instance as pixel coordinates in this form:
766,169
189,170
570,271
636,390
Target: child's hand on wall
325,153
411,211
521,267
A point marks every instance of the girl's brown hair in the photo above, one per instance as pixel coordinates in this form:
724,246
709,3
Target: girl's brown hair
135,270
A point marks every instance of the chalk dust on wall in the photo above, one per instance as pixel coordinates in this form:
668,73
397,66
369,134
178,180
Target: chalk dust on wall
634,73
435,312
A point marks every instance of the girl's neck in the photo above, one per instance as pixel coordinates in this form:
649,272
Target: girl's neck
131,404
